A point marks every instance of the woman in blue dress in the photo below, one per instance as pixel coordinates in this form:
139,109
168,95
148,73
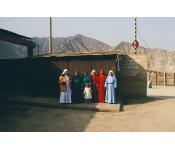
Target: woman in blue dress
110,87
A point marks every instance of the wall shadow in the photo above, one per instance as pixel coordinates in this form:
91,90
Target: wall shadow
14,75
43,78
28,118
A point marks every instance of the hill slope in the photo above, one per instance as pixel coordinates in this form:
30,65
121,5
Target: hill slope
9,51
157,58
77,43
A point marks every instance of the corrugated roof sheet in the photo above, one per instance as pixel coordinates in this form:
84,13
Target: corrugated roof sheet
2,31
119,52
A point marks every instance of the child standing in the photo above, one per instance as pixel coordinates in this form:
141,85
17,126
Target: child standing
87,93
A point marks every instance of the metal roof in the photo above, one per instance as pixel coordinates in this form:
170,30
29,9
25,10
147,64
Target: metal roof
15,38
2,31
118,52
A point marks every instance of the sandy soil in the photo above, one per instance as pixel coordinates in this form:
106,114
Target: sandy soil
149,117
152,114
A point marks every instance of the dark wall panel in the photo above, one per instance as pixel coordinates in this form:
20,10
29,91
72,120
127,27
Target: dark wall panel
105,65
87,66
54,74
99,66
94,65
13,74
113,65
76,65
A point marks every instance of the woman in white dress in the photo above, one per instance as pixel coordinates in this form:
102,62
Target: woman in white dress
65,87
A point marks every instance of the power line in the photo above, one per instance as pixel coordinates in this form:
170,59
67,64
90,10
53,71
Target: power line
10,19
142,39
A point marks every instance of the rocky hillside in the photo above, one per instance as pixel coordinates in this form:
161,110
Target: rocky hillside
157,58
78,43
8,51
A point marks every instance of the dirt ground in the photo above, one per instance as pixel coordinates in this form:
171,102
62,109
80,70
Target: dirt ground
140,115
149,117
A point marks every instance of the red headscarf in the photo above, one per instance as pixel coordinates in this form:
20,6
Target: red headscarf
103,72
87,84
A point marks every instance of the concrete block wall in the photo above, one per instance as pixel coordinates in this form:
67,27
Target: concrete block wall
133,75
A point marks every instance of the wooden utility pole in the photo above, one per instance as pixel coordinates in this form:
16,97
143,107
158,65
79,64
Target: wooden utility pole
50,35
156,78
135,36
164,77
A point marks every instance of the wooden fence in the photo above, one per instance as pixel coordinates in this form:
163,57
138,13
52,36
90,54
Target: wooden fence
161,78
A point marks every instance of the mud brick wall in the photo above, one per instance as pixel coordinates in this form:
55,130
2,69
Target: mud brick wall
169,79
133,75
157,78
153,78
160,79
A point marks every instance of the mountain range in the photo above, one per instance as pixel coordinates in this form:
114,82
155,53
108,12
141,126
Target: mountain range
158,59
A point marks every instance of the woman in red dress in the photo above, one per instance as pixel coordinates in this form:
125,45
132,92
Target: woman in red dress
100,86
94,78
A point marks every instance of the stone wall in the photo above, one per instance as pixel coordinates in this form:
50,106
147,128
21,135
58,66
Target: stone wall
133,75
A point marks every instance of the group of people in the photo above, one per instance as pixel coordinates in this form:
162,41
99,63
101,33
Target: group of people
94,88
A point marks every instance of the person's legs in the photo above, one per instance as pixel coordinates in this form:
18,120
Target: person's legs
63,97
113,100
109,90
89,100
68,93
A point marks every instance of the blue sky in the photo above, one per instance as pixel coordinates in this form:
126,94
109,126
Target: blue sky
157,32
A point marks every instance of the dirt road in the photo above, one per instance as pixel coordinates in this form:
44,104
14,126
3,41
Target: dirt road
149,117
142,115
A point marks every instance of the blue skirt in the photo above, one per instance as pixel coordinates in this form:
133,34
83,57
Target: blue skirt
110,94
